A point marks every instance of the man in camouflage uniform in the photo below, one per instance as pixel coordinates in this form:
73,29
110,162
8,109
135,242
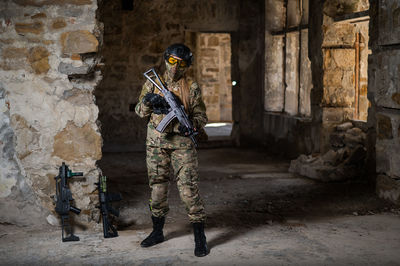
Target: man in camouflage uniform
172,147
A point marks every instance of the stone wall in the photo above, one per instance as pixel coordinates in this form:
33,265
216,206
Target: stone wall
384,94
342,99
48,74
213,72
132,46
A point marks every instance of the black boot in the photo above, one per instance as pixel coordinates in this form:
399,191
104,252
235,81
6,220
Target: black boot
200,249
156,236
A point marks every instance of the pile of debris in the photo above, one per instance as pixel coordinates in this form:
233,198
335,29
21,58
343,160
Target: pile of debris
345,160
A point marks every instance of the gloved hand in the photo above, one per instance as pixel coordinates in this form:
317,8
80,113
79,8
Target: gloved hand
159,104
150,99
184,130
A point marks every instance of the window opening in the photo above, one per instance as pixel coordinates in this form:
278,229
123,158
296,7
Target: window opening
288,68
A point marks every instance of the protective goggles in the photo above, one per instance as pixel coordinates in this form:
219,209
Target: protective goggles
172,60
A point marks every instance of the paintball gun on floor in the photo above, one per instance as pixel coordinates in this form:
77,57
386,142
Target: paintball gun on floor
63,201
105,199
177,109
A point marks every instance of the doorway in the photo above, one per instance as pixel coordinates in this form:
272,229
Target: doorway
213,72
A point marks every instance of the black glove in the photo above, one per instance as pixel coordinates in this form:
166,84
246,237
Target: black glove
159,104
184,130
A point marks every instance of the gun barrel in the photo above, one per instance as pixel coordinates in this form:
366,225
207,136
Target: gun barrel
74,209
76,174
194,140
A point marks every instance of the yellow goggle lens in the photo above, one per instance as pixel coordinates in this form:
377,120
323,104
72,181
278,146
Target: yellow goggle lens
173,61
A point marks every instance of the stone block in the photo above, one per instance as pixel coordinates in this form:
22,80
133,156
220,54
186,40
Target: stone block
14,53
338,34
335,8
344,127
79,42
38,58
353,141
389,22
39,15
70,69
329,63
58,24
35,27
384,76
77,143
213,41
348,80
344,58
333,78
382,158
336,139
388,157
348,114
332,115
338,97
384,127
388,188
78,97
71,11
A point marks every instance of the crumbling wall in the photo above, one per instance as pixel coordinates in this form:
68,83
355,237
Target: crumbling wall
384,94
48,74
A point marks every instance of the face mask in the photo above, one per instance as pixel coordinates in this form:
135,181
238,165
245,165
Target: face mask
175,71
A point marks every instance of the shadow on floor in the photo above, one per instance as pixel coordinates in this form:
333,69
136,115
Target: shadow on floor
236,204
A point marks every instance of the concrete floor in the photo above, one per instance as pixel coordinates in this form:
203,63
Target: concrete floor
259,214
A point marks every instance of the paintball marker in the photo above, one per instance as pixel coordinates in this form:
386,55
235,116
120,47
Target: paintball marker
177,110
63,199
105,198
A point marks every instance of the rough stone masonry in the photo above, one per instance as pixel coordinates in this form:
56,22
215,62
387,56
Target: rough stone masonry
48,59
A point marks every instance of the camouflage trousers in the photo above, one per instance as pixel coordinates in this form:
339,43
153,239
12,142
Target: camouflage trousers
185,169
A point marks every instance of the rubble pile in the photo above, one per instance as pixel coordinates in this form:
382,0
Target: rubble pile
345,160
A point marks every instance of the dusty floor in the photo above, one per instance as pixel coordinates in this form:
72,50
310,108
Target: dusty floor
259,214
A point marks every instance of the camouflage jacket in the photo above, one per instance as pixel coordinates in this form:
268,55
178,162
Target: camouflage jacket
170,139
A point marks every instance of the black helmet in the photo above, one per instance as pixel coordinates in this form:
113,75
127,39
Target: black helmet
180,50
